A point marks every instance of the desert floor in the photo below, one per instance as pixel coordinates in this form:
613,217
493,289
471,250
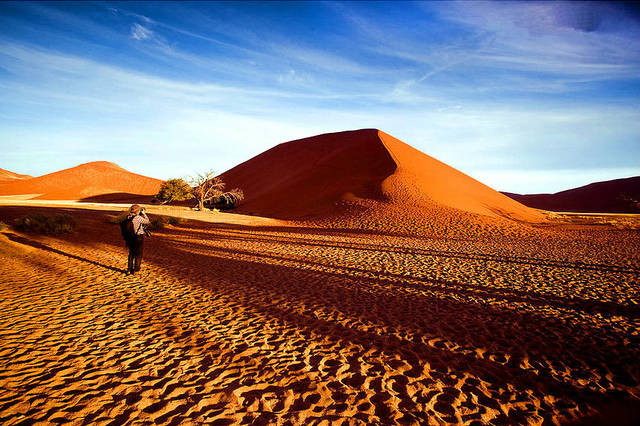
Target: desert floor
247,322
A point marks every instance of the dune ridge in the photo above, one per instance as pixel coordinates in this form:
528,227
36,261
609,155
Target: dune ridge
83,181
611,196
315,176
7,176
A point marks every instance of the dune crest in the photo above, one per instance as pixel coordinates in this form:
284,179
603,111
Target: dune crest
83,181
610,196
310,177
6,176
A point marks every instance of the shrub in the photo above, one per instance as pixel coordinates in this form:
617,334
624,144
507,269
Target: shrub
3,227
45,224
176,220
158,222
119,218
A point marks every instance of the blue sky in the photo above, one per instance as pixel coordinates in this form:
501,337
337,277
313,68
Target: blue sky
525,97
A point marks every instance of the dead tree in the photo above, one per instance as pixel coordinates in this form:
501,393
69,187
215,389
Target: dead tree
205,187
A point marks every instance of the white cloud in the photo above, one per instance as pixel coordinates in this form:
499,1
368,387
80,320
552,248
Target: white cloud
139,32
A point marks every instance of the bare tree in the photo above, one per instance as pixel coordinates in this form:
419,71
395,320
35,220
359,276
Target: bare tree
205,187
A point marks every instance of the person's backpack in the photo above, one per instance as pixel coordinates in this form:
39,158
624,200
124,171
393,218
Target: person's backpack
126,228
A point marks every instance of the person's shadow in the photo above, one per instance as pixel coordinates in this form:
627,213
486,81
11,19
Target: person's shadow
39,245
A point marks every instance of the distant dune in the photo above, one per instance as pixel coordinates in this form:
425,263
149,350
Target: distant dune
83,182
312,176
6,176
612,196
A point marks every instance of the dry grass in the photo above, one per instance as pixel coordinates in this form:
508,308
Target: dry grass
46,224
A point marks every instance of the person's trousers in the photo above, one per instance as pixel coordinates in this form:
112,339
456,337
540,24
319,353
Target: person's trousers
135,253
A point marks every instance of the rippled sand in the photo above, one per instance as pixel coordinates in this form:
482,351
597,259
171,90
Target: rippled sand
231,324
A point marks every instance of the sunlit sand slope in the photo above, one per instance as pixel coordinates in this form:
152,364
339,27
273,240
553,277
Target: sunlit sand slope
6,176
83,181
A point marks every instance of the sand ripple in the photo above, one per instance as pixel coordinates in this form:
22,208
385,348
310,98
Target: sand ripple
231,324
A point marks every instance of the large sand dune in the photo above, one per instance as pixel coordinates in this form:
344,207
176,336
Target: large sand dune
82,182
611,196
312,177
6,176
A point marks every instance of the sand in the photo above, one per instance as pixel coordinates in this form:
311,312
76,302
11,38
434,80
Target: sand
615,196
106,181
312,177
265,323
399,291
7,176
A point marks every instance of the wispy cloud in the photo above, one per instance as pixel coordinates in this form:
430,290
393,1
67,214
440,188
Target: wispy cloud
466,83
555,37
139,32
556,47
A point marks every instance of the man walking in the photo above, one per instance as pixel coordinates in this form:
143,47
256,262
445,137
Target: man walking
133,229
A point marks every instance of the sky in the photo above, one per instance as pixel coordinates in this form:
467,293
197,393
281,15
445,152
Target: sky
527,97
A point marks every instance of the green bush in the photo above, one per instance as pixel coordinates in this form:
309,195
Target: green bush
3,227
174,190
46,224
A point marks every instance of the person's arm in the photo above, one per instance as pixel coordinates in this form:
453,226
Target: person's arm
144,219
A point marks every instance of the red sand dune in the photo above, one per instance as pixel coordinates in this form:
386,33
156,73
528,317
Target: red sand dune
310,177
6,176
83,181
611,196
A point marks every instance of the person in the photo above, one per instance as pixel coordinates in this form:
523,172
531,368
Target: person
139,220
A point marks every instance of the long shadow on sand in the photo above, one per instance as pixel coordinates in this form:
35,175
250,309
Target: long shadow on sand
245,233
41,246
442,285
565,356
526,352
559,352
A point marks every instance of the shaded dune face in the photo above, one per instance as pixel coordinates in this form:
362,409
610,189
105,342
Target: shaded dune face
311,177
83,181
612,196
307,177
